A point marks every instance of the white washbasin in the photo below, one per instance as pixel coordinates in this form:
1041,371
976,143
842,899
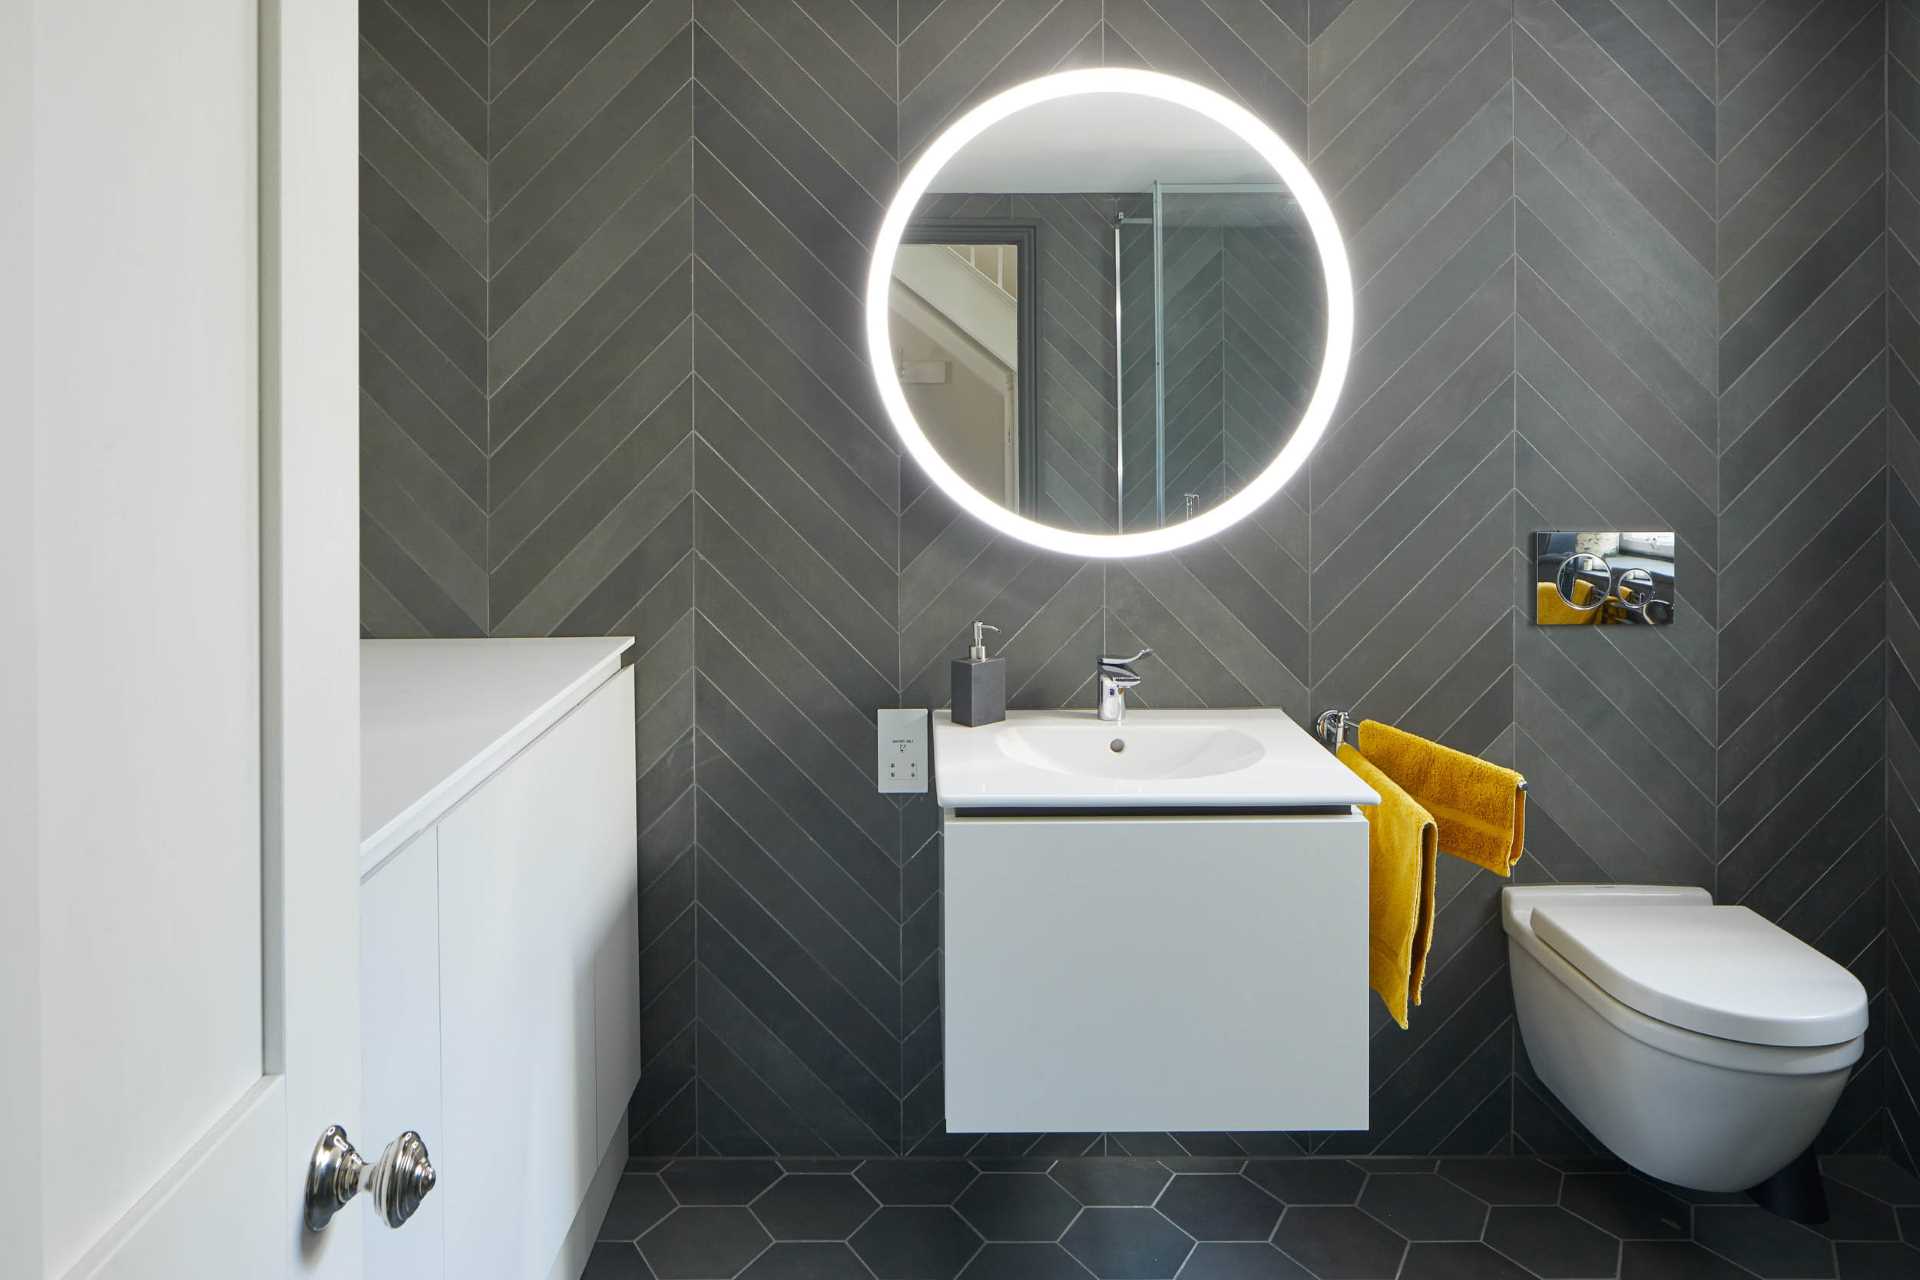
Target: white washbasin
1189,759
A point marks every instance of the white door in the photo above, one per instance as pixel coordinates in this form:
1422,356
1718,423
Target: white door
179,1011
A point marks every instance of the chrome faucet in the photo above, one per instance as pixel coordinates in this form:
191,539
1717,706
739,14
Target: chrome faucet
1115,676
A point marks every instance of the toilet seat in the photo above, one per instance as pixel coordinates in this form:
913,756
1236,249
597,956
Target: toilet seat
1718,971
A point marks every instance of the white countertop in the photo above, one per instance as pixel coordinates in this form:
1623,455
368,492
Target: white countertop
1207,759
437,717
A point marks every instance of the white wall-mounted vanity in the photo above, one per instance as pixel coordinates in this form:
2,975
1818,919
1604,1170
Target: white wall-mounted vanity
1155,925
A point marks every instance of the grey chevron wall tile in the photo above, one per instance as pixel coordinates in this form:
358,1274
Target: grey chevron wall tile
797,585
550,583
435,58
1618,263
1376,184
1263,64
728,31
587,70
1804,445
1902,855
423,309
1018,40
394,114
1403,75
1789,108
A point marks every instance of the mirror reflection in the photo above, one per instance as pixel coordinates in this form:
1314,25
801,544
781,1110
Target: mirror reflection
1108,313
1603,578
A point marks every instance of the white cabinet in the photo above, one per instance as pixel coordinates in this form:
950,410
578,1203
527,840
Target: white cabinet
500,979
1155,973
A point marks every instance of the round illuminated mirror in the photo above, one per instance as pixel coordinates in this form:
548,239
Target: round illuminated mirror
1109,312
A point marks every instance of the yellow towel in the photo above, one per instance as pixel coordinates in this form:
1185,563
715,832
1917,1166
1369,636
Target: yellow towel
1551,611
1400,844
1480,807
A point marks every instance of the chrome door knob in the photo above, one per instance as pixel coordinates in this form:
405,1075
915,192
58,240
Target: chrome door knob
398,1181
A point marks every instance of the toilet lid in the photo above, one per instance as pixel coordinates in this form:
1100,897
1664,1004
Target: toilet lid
1721,971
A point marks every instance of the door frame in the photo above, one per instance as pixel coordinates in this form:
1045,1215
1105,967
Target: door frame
1025,237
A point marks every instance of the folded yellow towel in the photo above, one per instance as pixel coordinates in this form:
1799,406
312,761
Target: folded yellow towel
1481,808
1551,611
1401,838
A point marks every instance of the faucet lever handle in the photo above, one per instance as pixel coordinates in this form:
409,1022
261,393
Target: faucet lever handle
1126,664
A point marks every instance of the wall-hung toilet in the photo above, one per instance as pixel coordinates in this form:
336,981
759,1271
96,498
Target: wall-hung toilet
1703,1044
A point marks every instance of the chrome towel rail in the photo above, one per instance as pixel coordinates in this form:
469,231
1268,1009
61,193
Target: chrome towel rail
1333,726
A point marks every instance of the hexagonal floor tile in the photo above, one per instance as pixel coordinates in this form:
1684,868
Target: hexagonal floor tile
814,1260
1017,1206
1219,1206
819,1164
1113,1180
1458,1260
1505,1179
1241,1262
1340,1243
1764,1243
813,1206
1127,1244
638,1203
1855,1215
1552,1243
1674,1260
1306,1180
613,1260
1204,1164
915,1180
1878,1176
1625,1205
1155,1145
1878,1261
1023,1262
915,1243
700,1243
719,1181
1424,1206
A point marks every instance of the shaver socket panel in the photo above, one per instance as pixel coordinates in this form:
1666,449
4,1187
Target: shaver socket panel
903,750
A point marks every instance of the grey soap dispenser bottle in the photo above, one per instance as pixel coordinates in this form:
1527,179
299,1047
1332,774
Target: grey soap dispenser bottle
979,683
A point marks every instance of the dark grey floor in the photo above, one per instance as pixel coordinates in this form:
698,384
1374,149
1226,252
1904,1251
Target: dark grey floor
1502,1218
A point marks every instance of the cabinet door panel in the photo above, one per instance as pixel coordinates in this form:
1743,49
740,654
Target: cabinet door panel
400,1039
529,914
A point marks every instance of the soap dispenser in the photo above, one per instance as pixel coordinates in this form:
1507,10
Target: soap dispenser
979,683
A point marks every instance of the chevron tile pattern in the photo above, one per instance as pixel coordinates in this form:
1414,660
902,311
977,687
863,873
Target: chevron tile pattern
1618,264
423,321
1801,269
1900,1011
1410,128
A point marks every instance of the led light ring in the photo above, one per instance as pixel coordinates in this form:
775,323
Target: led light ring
1333,262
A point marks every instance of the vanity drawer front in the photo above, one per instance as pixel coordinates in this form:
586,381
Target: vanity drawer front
1159,974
